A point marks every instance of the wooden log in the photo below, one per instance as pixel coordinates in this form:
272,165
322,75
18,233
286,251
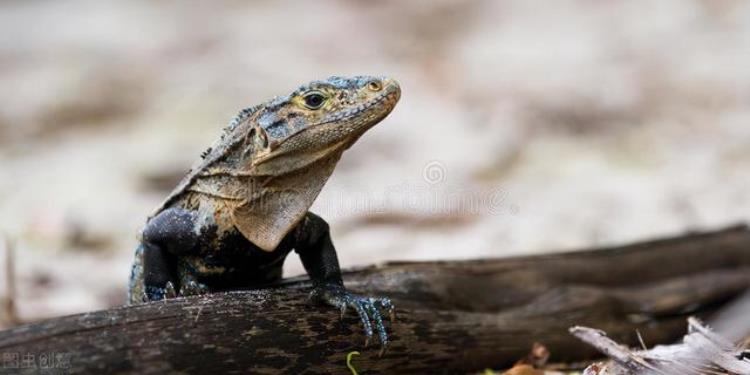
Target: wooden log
455,316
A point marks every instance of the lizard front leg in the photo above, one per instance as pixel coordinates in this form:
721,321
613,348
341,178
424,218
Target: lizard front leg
170,232
318,256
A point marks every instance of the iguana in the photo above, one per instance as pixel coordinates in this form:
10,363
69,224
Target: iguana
237,214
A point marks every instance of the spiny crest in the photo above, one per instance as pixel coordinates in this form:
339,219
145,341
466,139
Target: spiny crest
242,116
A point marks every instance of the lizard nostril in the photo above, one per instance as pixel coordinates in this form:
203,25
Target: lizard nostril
375,85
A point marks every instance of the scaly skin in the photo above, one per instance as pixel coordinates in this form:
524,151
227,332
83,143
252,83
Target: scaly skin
238,213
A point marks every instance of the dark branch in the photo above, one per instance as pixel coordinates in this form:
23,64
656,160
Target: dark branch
451,316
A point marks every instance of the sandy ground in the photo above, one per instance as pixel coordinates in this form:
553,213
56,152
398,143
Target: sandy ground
524,126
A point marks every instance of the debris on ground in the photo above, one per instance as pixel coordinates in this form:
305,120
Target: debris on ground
535,363
702,352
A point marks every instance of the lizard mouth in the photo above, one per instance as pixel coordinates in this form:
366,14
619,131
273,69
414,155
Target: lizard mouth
380,105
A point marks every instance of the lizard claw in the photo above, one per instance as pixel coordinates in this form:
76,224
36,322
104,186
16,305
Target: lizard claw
170,291
154,293
368,309
387,305
193,288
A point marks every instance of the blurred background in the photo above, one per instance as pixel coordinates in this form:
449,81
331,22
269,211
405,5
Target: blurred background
524,126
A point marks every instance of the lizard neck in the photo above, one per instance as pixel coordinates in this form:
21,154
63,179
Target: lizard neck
280,202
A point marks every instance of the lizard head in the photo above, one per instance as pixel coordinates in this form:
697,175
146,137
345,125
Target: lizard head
319,119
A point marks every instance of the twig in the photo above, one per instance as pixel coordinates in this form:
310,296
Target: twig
8,301
640,340
619,353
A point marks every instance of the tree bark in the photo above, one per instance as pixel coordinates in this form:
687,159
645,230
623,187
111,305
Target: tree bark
452,316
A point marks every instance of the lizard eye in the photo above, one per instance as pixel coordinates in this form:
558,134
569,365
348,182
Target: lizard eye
314,100
374,86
